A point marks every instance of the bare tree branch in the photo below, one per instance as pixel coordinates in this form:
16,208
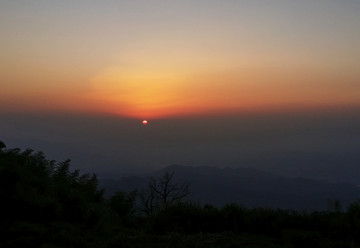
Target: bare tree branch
162,192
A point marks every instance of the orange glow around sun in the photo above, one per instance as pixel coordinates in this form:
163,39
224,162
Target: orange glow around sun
156,93
154,71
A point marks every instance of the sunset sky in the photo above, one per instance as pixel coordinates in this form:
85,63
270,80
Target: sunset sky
157,59
269,84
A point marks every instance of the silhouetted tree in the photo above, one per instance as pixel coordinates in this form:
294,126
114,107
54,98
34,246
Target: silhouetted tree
334,206
44,202
123,204
2,145
162,192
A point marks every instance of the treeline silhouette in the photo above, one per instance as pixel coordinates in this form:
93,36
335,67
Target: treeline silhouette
46,204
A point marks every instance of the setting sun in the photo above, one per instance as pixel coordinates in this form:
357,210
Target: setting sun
252,103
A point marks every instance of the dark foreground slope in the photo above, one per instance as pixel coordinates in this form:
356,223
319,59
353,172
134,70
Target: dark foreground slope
46,204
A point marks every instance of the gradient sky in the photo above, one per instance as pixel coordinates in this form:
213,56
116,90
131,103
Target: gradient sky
268,84
154,59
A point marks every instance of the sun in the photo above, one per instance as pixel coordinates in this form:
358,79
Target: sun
145,122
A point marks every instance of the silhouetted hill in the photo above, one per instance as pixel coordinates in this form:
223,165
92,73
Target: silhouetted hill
246,186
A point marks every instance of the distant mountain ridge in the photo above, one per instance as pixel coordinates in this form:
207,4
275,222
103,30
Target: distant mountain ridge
246,186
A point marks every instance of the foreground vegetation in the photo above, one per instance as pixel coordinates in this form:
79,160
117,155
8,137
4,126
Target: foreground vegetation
45,204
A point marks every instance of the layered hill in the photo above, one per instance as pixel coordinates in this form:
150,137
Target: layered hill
246,186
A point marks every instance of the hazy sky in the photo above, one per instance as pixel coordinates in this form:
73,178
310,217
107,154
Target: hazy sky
272,84
321,144
150,59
